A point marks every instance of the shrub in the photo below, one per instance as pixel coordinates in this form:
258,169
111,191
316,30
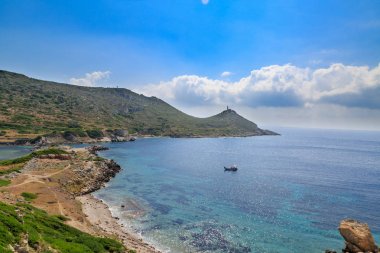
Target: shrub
73,124
35,140
4,182
28,196
68,135
94,134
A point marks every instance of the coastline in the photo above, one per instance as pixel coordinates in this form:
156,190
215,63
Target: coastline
99,214
63,184
57,139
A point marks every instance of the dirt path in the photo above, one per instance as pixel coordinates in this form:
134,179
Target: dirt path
32,178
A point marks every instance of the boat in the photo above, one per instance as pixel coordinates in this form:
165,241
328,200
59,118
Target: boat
231,168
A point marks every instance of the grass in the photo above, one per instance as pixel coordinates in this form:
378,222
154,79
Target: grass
28,196
4,182
10,170
26,158
62,217
46,232
42,107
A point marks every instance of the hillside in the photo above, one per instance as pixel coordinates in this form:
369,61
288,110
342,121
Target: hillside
31,107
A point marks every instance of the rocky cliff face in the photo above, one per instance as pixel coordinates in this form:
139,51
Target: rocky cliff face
90,175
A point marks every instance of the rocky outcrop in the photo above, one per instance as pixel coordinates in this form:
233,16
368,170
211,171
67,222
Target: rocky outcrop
357,236
96,148
89,176
100,175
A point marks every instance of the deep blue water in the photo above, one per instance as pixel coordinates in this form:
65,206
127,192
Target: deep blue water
289,193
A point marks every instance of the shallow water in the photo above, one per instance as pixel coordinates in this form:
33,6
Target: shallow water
10,152
289,193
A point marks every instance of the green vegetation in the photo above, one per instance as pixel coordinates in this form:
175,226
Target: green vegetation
4,182
10,170
94,134
28,196
42,107
62,217
26,158
47,232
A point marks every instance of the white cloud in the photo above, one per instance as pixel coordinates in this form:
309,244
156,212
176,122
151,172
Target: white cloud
205,2
226,74
90,79
278,86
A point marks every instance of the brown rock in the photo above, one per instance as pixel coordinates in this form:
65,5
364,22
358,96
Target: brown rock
358,237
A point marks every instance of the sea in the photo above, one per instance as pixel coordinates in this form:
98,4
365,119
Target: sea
289,194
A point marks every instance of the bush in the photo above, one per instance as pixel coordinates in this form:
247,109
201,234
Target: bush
73,124
28,196
4,182
35,140
2,133
68,135
94,134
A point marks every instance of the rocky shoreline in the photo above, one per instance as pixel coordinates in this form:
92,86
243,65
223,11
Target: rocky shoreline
98,136
63,183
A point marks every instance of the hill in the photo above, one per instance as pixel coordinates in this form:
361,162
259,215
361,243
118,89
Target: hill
31,107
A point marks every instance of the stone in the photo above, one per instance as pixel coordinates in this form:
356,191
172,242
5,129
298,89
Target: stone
358,236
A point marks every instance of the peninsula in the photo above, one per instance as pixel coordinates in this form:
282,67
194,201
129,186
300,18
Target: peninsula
34,111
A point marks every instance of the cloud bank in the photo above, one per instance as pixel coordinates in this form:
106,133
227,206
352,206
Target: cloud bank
278,86
90,79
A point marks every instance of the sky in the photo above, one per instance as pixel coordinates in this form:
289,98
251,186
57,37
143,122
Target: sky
278,63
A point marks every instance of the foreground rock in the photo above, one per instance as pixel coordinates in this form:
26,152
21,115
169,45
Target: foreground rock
357,236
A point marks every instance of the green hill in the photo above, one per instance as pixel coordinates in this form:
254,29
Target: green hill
34,107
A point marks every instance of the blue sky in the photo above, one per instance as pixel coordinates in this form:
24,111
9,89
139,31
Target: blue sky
140,43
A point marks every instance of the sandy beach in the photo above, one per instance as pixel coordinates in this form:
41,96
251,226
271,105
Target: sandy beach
99,215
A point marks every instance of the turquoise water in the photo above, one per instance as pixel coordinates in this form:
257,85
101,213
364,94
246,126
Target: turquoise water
10,152
289,193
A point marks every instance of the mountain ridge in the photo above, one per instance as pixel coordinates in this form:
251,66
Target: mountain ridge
31,107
